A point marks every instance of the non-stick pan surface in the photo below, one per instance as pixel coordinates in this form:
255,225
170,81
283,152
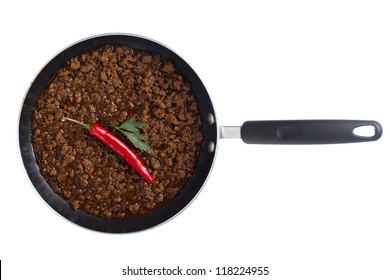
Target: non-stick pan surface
251,132
159,216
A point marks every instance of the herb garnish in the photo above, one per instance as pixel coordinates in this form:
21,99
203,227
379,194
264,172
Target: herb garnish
130,130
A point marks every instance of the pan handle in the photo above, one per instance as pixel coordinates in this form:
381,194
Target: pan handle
309,131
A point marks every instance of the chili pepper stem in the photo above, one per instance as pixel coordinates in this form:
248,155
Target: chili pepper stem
86,125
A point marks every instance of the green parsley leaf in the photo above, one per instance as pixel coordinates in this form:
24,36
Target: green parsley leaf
130,128
132,125
137,140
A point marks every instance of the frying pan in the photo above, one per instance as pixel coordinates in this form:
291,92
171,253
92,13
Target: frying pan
251,132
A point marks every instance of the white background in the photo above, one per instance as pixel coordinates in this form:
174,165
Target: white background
307,212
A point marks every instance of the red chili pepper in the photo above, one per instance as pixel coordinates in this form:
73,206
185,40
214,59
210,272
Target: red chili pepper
119,147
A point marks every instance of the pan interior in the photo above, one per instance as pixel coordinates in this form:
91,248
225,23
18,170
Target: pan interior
192,187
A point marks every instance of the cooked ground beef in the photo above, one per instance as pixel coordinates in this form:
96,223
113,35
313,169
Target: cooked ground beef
108,86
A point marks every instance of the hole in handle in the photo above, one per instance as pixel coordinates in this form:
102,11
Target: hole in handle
366,131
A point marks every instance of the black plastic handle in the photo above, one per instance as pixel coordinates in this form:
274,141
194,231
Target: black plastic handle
307,131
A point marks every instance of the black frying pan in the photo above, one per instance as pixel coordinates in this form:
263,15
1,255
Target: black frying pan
251,132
